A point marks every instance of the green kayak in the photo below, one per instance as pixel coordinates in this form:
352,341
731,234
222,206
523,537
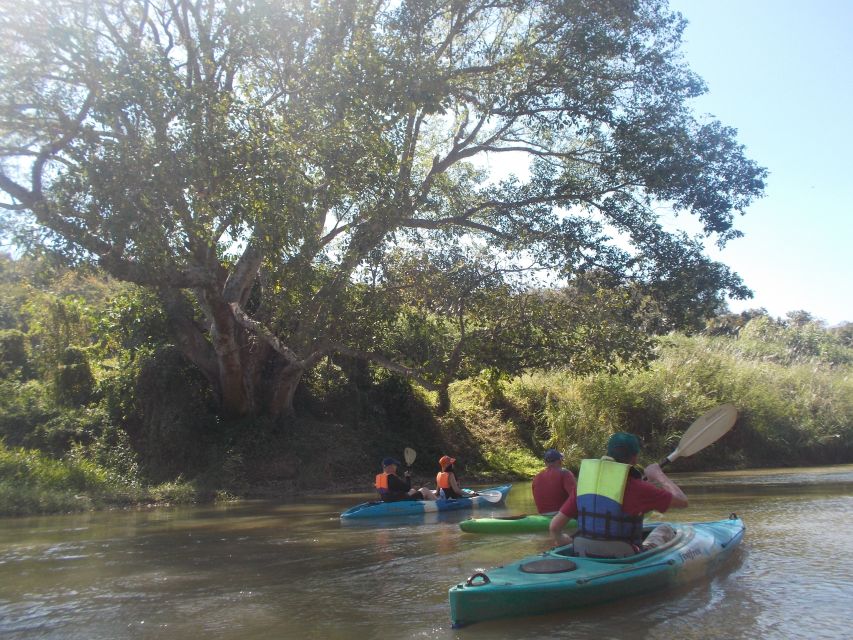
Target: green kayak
557,580
535,523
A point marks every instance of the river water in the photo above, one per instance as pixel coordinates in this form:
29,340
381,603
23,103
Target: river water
294,570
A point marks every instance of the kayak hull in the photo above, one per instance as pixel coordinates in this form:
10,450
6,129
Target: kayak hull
378,509
557,581
533,523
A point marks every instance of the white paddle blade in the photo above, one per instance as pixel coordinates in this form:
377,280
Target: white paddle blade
709,428
491,496
409,456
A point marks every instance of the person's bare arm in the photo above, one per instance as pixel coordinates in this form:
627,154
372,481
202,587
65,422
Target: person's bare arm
556,529
655,474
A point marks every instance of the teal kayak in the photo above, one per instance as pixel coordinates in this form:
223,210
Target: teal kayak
534,523
471,500
557,580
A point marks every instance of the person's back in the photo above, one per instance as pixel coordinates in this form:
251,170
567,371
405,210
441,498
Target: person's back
611,499
445,480
553,485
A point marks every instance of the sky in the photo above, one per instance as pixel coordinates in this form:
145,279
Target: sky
781,73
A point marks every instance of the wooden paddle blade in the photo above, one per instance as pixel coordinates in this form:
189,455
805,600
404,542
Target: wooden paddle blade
409,455
709,428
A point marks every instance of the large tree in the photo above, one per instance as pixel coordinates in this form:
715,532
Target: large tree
249,160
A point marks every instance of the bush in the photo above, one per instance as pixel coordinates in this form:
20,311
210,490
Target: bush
23,405
31,482
165,406
791,411
73,378
14,359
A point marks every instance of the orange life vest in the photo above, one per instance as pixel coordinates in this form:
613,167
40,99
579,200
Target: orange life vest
442,480
381,483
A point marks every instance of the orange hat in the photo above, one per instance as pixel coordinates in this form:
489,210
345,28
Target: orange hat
446,461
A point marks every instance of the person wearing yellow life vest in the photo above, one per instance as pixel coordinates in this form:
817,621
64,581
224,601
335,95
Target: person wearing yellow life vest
392,488
610,500
445,480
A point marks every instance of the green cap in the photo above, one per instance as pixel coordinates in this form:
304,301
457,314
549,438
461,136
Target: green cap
622,446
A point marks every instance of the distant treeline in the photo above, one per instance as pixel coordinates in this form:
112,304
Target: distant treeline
97,407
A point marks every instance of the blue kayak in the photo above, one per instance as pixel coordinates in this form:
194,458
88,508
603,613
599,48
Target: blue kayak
471,500
557,580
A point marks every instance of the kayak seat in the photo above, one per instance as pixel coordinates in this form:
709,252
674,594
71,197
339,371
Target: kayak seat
591,548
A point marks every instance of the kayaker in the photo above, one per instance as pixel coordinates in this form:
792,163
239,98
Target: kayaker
553,485
610,499
445,480
392,488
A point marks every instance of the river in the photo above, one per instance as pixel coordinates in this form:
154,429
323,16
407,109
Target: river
292,570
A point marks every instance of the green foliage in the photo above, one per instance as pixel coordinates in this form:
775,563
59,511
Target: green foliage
793,343
14,359
31,482
166,408
266,157
177,491
74,382
55,324
844,334
513,463
23,407
130,321
795,407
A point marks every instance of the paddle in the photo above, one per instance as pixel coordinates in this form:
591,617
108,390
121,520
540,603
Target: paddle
488,495
409,456
707,429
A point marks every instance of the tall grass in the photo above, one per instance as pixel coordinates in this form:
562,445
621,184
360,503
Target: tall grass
33,482
792,410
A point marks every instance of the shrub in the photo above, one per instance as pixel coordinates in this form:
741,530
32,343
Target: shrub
31,482
73,378
14,359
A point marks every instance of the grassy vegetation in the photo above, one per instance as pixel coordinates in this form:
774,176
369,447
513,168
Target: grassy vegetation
794,410
33,482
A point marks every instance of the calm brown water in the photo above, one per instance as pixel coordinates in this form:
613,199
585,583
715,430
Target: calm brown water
292,570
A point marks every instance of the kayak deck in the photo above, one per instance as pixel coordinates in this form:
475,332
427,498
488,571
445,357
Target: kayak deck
523,523
557,580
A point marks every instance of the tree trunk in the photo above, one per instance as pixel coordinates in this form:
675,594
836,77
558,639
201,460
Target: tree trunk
247,375
443,400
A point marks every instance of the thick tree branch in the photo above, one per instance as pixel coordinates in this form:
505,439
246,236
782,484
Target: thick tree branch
265,334
384,362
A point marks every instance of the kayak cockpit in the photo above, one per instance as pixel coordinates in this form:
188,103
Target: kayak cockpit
683,534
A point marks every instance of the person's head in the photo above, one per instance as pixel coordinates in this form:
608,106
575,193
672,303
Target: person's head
623,447
446,462
389,465
552,457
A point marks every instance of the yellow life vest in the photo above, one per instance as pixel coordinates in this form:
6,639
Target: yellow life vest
601,489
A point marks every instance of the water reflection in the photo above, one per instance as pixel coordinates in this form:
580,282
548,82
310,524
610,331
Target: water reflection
288,570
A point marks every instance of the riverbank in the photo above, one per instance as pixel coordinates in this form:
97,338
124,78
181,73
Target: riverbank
497,432
793,411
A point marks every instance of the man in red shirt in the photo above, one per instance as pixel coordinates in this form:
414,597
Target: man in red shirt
553,485
639,497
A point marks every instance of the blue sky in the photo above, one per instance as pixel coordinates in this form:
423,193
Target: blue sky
781,73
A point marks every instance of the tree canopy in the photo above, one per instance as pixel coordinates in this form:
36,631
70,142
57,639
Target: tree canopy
265,167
